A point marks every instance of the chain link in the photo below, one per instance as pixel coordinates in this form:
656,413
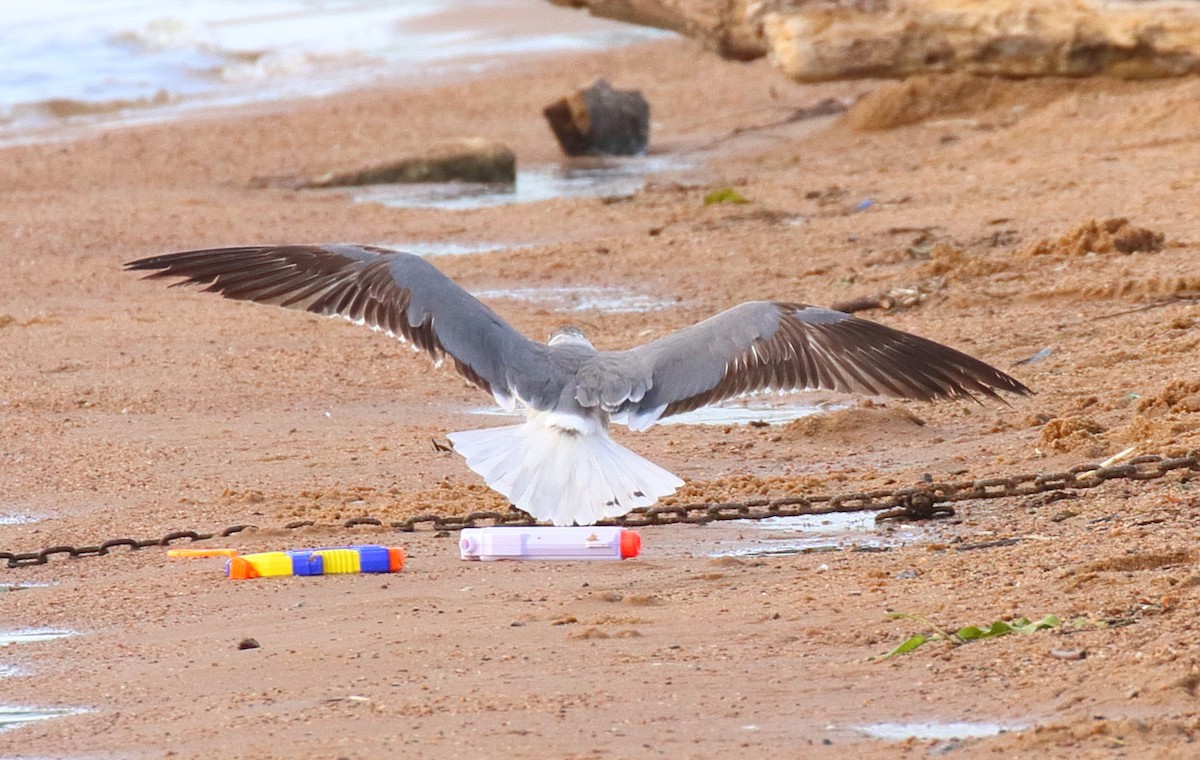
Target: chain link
923,501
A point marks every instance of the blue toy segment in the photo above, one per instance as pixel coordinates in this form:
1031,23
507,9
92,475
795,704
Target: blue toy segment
307,563
374,559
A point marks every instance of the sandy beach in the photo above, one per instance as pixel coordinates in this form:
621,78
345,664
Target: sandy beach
128,409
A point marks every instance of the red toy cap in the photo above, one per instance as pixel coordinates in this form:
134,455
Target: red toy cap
631,544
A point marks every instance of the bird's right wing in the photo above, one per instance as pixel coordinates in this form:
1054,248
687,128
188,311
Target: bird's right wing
399,293
763,345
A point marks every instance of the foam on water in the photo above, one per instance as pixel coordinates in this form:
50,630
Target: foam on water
71,59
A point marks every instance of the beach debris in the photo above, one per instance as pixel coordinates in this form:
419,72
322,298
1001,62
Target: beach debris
472,159
1100,236
1125,454
1034,358
967,633
724,195
1068,654
896,298
822,108
601,121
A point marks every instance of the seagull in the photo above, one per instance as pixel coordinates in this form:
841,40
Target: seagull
560,465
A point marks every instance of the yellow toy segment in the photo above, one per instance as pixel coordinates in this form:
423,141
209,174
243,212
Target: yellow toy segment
267,564
340,560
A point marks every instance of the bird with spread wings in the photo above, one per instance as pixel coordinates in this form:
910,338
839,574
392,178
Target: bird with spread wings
560,465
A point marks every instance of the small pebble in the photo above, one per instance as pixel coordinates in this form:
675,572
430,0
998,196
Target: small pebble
1068,654
248,644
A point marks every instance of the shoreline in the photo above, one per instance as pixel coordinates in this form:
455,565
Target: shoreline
487,40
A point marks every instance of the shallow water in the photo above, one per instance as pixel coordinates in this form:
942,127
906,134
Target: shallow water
31,635
752,412
934,730
429,250
71,60
608,179
745,413
781,536
583,298
11,717
6,588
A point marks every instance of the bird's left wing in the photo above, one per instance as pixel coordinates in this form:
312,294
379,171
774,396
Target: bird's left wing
399,293
764,345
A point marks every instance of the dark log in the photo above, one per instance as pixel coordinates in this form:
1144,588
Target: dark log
601,121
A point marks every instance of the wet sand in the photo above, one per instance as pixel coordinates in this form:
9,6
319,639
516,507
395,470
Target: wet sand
132,410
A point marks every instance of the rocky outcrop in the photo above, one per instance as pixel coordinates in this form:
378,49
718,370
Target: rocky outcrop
1012,38
815,40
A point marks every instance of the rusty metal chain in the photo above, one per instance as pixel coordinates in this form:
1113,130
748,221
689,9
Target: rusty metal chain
921,501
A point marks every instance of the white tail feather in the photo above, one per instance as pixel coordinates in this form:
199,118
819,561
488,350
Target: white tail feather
568,477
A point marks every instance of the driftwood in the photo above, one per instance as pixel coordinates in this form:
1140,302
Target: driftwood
470,160
601,121
816,40
466,160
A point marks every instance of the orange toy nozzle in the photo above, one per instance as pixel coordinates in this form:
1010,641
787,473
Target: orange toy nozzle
240,569
395,559
202,552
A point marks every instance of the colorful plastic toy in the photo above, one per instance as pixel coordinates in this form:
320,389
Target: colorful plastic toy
589,542
330,561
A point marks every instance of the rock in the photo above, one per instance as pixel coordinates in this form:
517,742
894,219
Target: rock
721,25
601,121
467,160
819,40
1012,38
